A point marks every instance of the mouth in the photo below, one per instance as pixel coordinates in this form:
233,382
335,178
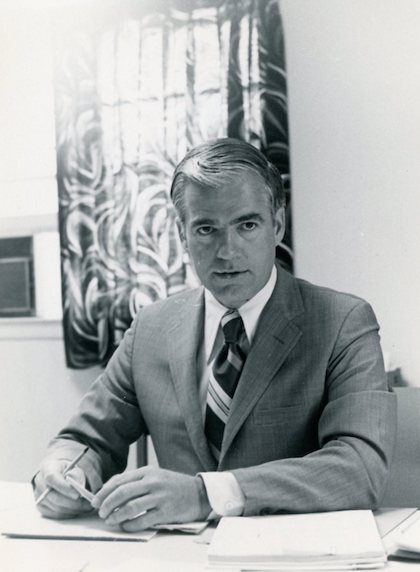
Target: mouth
229,274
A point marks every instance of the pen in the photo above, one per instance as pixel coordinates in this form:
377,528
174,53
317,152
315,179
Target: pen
68,469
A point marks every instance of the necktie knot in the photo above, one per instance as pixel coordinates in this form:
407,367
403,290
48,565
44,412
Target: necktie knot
232,326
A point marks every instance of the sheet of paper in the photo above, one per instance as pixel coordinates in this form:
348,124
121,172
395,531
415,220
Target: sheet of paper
409,537
187,527
147,565
388,519
28,523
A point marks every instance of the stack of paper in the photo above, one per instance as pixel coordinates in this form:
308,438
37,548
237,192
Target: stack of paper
317,541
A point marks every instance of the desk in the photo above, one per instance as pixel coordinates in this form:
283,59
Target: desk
167,552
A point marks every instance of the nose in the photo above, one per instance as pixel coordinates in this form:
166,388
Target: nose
227,247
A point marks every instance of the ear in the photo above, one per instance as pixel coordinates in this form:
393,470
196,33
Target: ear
280,224
182,234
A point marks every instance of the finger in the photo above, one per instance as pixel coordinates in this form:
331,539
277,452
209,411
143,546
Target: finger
115,482
50,510
43,478
55,513
131,510
121,496
57,502
39,484
142,522
58,483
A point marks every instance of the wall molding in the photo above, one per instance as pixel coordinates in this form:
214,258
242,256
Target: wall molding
30,329
28,224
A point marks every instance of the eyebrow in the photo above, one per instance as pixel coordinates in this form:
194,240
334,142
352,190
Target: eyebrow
202,222
248,216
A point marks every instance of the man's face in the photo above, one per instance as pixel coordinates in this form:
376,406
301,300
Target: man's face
231,234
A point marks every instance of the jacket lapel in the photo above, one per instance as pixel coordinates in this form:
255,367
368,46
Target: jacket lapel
276,335
186,334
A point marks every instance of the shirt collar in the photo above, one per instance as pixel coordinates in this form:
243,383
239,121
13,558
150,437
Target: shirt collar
249,312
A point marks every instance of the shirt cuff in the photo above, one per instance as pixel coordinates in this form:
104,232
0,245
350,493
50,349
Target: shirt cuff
224,493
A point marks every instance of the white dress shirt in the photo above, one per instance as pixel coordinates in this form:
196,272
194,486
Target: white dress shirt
223,491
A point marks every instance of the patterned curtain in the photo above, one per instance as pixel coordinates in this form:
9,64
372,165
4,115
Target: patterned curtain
137,84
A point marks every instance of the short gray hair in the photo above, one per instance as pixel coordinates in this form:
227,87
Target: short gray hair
217,162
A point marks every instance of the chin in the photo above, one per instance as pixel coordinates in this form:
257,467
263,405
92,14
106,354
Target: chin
232,296
231,302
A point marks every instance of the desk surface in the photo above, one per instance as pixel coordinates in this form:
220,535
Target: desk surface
167,552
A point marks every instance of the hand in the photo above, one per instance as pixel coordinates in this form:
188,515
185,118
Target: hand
63,501
139,499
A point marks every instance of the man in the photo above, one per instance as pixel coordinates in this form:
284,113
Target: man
262,393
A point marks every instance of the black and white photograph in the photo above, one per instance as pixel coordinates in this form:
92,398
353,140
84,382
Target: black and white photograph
209,285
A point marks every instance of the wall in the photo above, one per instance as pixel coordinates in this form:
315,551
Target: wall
354,113
27,144
354,93
38,393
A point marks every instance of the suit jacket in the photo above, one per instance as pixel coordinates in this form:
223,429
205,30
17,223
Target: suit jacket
312,422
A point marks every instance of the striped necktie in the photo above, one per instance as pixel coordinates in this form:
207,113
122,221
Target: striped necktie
224,377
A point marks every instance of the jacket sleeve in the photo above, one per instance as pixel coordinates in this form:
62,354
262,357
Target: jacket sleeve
108,420
356,433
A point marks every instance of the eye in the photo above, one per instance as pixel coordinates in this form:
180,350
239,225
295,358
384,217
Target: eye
205,230
249,225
